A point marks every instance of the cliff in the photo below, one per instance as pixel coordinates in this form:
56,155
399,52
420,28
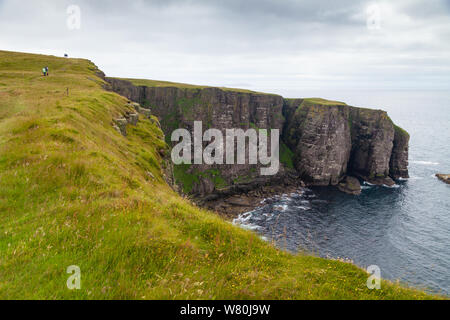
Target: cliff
75,191
331,140
320,138
324,141
178,106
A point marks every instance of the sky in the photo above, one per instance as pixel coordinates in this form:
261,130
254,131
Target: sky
343,50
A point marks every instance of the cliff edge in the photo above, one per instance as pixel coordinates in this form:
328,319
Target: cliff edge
322,141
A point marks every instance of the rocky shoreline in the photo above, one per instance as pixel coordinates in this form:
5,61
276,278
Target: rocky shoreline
230,207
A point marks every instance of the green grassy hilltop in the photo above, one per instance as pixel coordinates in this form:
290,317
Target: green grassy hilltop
73,191
168,84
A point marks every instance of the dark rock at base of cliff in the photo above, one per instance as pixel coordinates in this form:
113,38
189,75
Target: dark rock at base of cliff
350,185
444,177
245,197
232,205
379,180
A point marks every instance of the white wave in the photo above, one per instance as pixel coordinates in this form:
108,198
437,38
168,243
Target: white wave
395,186
425,163
281,207
411,178
302,208
242,221
368,185
251,227
243,218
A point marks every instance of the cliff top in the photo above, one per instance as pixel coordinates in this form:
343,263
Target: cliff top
322,102
169,84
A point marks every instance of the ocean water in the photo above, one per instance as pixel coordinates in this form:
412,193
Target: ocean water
405,230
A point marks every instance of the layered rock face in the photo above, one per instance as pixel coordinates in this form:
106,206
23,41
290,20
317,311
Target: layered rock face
219,109
400,153
372,145
330,141
216,108
321,141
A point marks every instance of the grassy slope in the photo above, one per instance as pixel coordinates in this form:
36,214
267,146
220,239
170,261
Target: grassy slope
75,192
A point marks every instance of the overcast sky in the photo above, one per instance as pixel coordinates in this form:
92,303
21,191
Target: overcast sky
290,47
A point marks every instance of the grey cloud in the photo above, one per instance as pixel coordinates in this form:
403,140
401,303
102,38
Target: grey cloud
267,43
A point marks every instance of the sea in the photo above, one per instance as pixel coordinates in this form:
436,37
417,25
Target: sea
404,230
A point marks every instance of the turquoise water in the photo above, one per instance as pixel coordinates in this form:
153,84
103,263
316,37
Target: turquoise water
405,230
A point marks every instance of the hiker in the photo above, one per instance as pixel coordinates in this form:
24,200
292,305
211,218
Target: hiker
44,71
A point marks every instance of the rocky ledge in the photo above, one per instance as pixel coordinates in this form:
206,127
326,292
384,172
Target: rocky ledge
350,185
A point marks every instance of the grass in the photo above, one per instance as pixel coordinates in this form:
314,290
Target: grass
215,175
188,180
73,191
286,156
185,179
322,102
401,131
168,84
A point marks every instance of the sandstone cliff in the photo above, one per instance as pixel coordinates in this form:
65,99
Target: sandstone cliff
325,141
320,138
179,107
400,153
331,140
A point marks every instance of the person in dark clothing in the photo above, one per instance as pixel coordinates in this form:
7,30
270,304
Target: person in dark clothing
46,71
